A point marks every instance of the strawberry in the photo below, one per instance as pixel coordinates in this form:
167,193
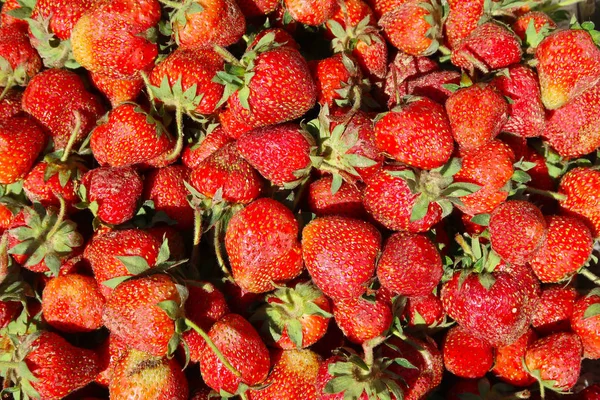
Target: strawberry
149,377
112,37
530,285
354,12
579,186
567,66
165,188
336,78
414,27
362,320
48,181
410,265
555,360
567,248
6,19
340,271
255,8
194,154
418,134
281,37
173,237
293,376
346,201
463,18
21,143
73,303
590,393
280,153
508,364
585,321
19,62
117,90
129,136
433,85
111,351
540,21
553,312
233,126
10,104
517,231
380,7
116,192
489,47
134,306
242,347
424,311
105,252
465,355
311,12
195,67
262,245
401,70
204,23
295,317
571,129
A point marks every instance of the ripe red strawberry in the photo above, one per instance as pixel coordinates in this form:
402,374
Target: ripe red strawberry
233,126
173,236
463,18
10,104
540,20
194,67
339,270
465,355
204,23
110,39
380,7
141,374
254,8
110,352
311,12
293,376
362,320
280,153
117,90
508,363
43,183
242,347
262,246
572,129
590,393
553,312
133,307
8,20
225,171
410,265
116,192
165,187
555,358
130,136
104,248
335,78
195,153
9,311
489,47
73,303
417,134
585,321
19,62
424,311
301,328
567,65
517,231
347,201
21,143
530,285
580,186
566,249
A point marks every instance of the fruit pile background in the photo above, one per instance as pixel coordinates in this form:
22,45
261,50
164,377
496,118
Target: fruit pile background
299,199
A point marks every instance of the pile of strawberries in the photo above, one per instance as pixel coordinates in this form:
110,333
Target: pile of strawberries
298,200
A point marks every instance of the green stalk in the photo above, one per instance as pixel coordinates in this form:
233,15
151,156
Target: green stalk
590,275
219,249
172,4
546,193
60,218
197,237
8,364
227,56
148,86
72,138
9,84
179,143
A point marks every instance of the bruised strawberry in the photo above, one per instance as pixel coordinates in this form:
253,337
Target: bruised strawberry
339,270
403,69
165,187
347,201
311,12
195,153
21,141
465,355
19,62
463,18
508,363
111,351
554,310
10,104
118,90
361,320
580,187
585,321
540,20
262,246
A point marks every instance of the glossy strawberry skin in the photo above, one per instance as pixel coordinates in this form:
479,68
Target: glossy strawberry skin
22,142
429,308
117,90
407,29
539,20
16,49
465,355
508,363
331,75
347,201
587,328
254,8
165,187
362,320
194,154
554,311
581,185
340,271
311,12
463,18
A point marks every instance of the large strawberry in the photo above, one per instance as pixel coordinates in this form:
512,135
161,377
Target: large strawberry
311,12
554,310
21,143
465,355
580,186
585,321
166,189
19,62
262,246
340,254
508,363
362,320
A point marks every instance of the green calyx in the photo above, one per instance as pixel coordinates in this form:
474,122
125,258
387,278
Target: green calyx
10,76
13,368
178,15
55,53
346,40
173,96
476,258
435,19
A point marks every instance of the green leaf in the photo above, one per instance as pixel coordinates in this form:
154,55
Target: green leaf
420,208
406,174
339,384
336,183
592,311
53,263
486,280
294,331
460,189
163,253
171,307
135,264
114,282
481,219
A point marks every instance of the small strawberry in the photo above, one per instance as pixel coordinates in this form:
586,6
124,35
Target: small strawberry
111,351
540,20
73,303
362,320
580,187
424,311
590,393
21,143
262,246
347,201
10,104
19,62
336,79
508,363
9,311
340,271
585,321
465,355
118,90
195,153
554,310
410,265
311,12
49,180
463,18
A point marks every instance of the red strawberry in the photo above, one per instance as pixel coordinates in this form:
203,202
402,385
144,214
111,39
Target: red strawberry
424,311
530,285
362,320
418,134
19,62
347,201
517,231
433,85
194,154
262,246
540,20
176,242
255,8
340,270
311,12
280,153
489,47
10,104
553,312
8,20
133,307
585,321
335,78
140,374
463,18
244,350
465,355
580,186
380,7
21,143
555,358
111,351
47,181
117,90
116,192
566,249
73,303
165,187
410,265
293,376
590,393
508,365
567,65
233,126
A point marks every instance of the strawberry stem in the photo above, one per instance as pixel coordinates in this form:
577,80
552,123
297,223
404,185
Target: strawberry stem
368,348
72,138
546,193
172,4
219,249
179,143
590,275
197,237
9,84
61,216
213,347
8,364
148,86
226,55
